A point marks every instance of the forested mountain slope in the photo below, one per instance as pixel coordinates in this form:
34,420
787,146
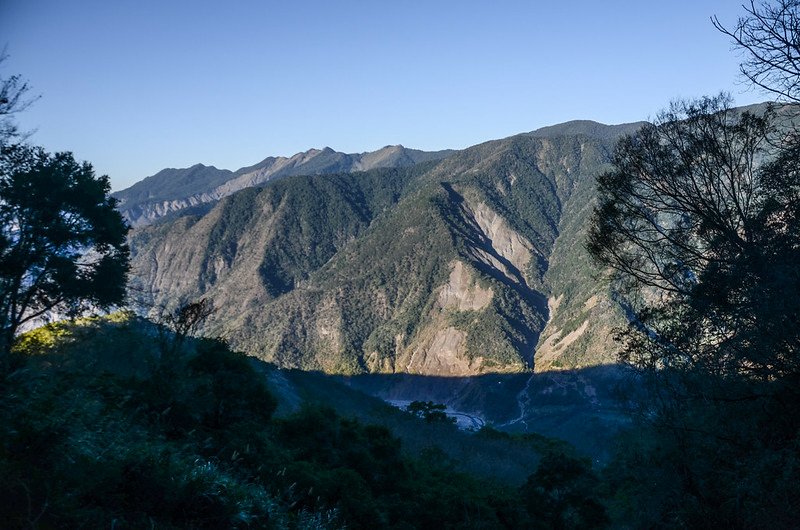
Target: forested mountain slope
461,266
173,190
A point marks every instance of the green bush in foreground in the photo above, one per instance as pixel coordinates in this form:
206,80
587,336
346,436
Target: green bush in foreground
87,441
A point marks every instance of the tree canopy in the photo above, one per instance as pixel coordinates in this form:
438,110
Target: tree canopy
62,242
703,234
698,224
767,35
14,98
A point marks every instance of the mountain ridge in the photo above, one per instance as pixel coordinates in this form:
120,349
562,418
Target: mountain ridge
465,265
587,128
171,190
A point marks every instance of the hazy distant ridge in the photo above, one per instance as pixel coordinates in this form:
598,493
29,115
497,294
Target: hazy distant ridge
172,190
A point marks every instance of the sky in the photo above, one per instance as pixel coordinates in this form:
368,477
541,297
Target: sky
137,86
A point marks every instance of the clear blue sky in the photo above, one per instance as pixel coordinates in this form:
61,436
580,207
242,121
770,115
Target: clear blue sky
136,86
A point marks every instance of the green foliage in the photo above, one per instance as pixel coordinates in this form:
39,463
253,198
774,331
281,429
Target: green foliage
41,340
340,272
98,444
699,220
318,215
562,494
711,237
430,411
84,447
62,243
175,185
531,204
541,444
726,464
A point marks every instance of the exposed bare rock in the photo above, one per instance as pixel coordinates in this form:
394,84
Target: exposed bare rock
505,241
443,354
462,292
548,350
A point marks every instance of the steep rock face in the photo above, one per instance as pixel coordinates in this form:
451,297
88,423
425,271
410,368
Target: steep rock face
443,354
172,190
462,293
442,268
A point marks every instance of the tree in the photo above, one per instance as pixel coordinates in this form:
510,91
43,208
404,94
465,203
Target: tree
702,233
768,35
699,225
13,99
430,411
563,494
183,321
62,242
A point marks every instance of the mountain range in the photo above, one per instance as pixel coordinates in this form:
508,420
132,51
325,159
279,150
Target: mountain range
453,263
173,190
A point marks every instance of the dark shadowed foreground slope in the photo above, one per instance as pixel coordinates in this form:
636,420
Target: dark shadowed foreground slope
105,424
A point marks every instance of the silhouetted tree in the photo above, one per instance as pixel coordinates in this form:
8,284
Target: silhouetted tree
563,494
183,321
703,237
14,98
769,34
62,242
699,224
430,411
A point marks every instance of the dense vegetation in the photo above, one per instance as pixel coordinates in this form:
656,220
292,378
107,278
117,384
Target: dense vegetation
97,430
698,223
343,272
119,422
62,243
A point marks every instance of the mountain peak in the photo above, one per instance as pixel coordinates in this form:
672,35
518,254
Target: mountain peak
590,128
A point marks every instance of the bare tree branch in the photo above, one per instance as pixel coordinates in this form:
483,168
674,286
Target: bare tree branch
769,35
